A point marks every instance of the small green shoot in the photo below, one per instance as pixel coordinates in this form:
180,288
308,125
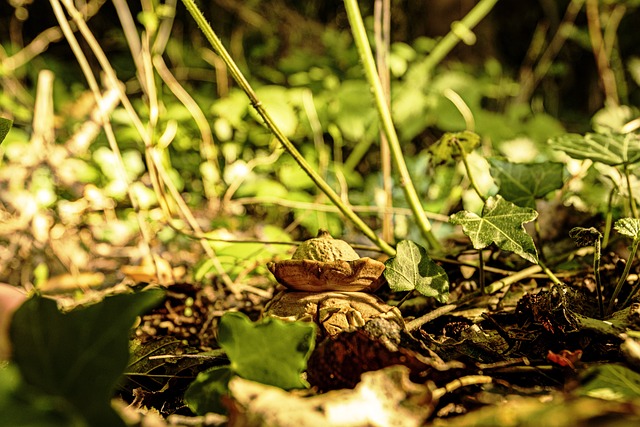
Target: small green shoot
271,351
629,227
412,269
591,237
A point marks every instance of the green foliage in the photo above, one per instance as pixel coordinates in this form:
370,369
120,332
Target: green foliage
449,146
501,222
206,392
610,382
610,149
412,268
629,227
5,127
271,351
522,184
76,358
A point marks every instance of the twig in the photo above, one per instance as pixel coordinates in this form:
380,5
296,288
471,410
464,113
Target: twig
432,315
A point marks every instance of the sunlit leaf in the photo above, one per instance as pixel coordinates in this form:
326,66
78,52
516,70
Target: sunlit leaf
271,351
412,268
501,223
629,227
522,183
448,146
610,382
78,357
5,126
610,149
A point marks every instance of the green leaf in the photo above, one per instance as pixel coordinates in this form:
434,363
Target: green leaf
79,356
629,227
585,236
448,146
501,223
610,382
412,268
611,149
523,183
5,127
271,351
205,393
26,407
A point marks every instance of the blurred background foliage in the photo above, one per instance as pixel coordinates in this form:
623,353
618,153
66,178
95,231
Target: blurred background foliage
64,209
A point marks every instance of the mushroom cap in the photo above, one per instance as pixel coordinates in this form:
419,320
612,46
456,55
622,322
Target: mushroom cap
363,274
326,264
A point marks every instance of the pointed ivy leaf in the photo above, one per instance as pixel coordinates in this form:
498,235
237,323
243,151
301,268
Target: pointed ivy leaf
629,227
79,356
523,183
585,236
501,223
611,149
271,351
610,382
446,148
412,268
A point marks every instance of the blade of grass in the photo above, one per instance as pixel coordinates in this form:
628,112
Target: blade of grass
371,73
237,75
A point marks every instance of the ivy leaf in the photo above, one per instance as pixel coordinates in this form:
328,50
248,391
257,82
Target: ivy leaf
412,268
447,148
610,149
206,391
629,227
501,223
77,357
523,183
271,351
610,382
5,127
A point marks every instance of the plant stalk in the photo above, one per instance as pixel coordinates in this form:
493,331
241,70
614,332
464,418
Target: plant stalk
625,274
237,75
371,73
596,272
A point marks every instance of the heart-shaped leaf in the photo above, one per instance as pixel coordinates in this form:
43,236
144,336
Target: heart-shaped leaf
501,223
77,357
271,351
412,268
610,149
523,183
5,127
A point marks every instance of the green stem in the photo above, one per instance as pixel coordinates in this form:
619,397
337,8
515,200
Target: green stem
625,274
549,273
467,168
481,272
371,73
632,201
448,42
609,219
596,272
237,75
